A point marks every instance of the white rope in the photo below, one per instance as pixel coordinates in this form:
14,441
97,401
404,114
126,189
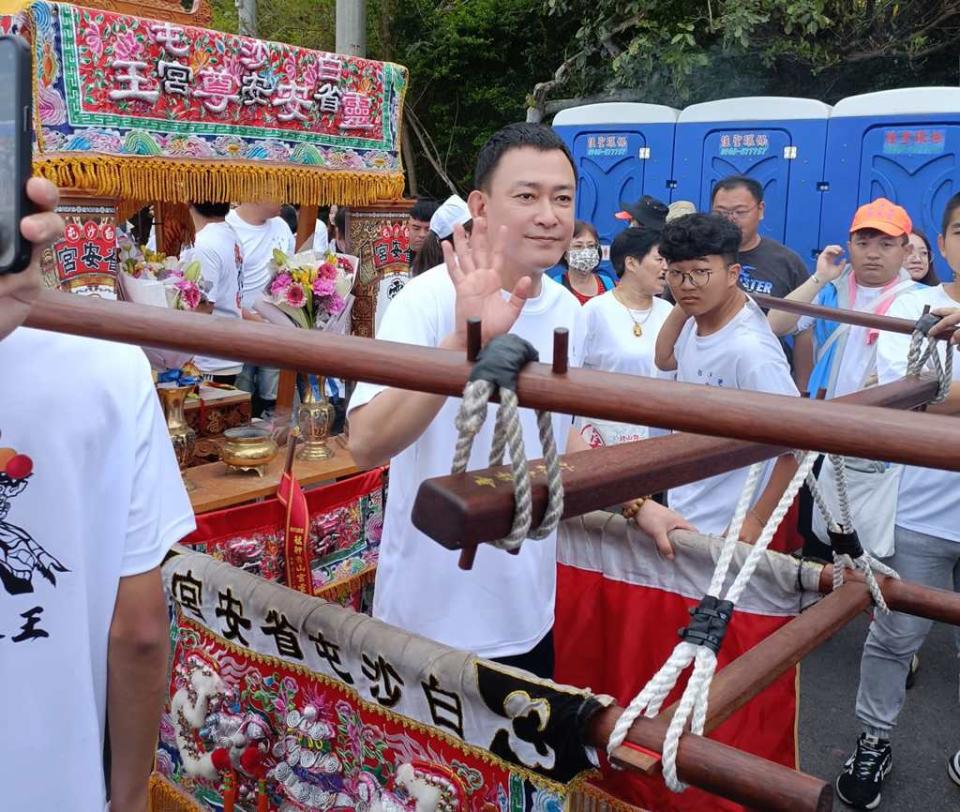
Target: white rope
693,703
508,437
917,360
864,562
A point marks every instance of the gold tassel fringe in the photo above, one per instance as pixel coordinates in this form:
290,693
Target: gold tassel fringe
588,798
165,796
180,181
339,590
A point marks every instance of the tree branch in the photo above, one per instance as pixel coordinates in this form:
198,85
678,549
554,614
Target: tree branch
415,126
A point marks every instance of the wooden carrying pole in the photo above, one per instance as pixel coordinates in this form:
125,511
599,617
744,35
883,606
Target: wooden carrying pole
889,324
715,767
929,440
462,510
753,671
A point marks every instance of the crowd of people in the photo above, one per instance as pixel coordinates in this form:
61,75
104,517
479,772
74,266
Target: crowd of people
528,266
675,303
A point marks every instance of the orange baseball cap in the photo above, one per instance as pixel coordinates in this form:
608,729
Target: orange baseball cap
884,216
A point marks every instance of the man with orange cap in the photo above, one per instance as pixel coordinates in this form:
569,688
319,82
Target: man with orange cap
846,356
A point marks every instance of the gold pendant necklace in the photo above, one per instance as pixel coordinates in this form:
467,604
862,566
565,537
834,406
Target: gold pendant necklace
637,325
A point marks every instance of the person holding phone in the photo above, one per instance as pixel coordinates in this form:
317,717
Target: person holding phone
91,500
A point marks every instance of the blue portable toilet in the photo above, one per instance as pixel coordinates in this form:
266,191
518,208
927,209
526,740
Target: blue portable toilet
900,144
622,151
777,141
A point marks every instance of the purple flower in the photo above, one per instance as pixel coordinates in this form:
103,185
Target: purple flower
280,284
323,287
336,304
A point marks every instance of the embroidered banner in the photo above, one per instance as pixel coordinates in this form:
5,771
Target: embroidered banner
332,710
343,538
119,91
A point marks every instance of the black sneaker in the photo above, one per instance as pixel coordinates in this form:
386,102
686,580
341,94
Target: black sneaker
953,767
912,673
863,773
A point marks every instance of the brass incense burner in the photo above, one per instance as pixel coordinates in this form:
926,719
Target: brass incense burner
248,448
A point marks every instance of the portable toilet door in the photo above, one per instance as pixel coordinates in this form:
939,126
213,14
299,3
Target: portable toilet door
777,141
622,151
903,145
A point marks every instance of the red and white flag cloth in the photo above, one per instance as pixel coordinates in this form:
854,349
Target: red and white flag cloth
619,608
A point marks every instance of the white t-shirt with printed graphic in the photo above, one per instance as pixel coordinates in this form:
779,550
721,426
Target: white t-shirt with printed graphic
928,501
89,493
257,244
503,606
744,354
217,249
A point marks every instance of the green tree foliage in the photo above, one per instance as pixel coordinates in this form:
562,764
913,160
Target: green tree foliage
682,51
474,64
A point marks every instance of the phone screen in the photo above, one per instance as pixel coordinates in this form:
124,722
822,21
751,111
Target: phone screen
9,121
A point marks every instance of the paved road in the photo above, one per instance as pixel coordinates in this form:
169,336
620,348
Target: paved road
928,732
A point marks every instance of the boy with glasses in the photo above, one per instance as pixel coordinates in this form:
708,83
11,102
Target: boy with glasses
717,336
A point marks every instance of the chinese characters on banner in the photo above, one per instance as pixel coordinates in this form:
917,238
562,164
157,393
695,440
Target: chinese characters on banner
380,236
607,146
85,260
914,142
744,144
133,66
322,680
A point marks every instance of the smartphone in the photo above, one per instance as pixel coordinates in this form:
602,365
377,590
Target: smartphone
16,146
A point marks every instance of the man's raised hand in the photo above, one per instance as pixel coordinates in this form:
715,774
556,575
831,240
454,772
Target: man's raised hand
476,270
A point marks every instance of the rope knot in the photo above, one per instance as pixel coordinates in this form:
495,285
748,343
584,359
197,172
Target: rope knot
496,371
845,541
502,359
709,622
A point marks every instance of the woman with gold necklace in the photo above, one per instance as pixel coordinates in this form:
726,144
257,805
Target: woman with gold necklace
620,327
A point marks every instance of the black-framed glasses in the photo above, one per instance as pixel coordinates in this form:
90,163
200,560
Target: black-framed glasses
697,278
735,214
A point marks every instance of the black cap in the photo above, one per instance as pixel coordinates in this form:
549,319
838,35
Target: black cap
648,212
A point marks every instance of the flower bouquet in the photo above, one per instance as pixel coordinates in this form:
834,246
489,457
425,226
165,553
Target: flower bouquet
311,290
150,278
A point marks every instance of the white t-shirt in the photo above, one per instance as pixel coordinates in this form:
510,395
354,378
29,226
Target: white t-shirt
104,501
503,606
257,244
610,344
744,354
221,262
321,240
928,501
859,362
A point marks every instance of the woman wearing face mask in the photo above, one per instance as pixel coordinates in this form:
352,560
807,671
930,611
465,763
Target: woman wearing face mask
919,262
581,260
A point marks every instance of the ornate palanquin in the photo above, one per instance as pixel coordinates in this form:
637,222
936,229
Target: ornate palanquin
172,10
151,110
280,701
130,112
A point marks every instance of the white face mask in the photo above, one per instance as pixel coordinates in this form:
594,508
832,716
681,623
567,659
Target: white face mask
583,259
